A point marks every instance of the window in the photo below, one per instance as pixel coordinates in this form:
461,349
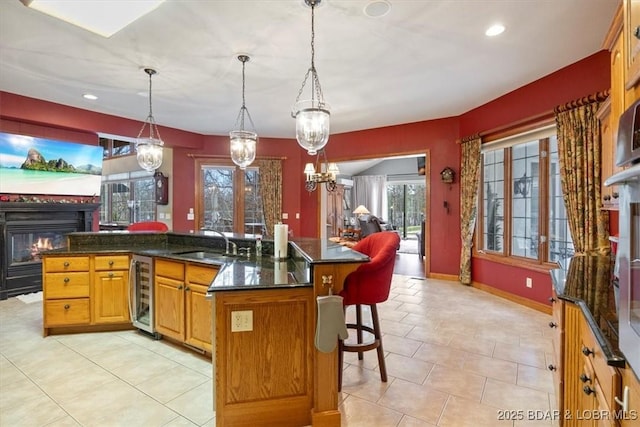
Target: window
522,212
116,147
230,199
127,198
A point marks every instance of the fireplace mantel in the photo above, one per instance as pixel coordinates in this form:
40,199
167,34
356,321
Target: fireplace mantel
20,224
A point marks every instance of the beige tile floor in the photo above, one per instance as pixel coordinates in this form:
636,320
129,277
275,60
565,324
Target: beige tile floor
455,356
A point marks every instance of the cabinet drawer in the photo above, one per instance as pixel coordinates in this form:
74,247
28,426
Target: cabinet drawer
111,262
65,312
200,275
66,285
69,263
607,376
170,269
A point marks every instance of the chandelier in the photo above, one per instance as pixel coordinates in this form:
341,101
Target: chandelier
149,150
243,142
328,177
312,115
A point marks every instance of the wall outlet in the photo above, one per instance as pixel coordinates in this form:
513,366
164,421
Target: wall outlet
241,321
529,282
285,215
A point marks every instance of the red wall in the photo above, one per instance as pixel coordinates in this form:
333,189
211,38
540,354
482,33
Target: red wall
437,137
585,77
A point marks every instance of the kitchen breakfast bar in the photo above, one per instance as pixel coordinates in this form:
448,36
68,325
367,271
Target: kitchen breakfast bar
254,314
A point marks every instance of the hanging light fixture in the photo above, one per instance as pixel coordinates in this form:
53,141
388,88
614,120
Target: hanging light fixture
243,142
149,150
328,177
312,115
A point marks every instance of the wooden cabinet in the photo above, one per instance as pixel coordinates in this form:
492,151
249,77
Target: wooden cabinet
198,310
556,365
66,289
110,301
181,310
85,291
335,216
632,417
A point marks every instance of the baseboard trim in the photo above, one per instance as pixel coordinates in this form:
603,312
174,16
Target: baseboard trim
441,276
544,308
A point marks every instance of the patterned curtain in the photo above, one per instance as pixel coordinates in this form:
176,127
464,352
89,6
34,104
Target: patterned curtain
271,190
469,183
580,153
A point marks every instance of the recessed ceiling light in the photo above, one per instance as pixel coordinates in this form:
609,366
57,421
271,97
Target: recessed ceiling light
90,96
102,17
494,30
377,8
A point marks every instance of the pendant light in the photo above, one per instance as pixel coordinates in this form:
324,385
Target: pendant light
149,149
243,142
312,115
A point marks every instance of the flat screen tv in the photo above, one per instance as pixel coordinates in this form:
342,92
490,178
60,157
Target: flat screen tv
30,165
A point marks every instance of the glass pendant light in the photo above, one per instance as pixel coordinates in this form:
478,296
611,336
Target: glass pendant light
312,115
149,149
243,142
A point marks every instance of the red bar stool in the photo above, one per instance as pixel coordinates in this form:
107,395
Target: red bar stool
369,285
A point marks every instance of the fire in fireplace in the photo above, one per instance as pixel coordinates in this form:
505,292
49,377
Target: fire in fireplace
28,230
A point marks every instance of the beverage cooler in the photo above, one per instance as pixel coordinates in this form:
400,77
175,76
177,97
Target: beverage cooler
141,294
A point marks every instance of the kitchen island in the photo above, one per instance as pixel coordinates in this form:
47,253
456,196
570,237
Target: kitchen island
263,318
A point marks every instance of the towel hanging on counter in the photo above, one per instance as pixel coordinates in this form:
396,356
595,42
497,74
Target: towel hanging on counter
331,323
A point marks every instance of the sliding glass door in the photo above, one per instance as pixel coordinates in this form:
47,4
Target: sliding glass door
406,207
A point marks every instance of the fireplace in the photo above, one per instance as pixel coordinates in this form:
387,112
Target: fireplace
28,230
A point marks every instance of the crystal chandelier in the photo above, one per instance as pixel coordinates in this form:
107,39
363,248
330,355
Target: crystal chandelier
312,115
243,142
149,150
328,177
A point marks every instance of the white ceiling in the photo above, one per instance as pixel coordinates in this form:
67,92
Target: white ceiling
423,60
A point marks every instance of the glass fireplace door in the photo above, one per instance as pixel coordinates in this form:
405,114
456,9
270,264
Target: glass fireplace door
27,246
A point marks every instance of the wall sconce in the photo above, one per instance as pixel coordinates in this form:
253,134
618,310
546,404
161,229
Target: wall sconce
328,177
522,186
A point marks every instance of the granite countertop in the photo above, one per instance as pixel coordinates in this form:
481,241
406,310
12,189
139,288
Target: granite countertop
587,282
237,272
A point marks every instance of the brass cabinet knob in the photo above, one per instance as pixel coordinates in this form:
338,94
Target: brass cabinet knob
551,367
553,325
110,275
110,262
587,351
66,264
67,306
588,390
584,378
552,300
66,280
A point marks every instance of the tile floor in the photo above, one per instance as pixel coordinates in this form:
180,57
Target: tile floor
455,356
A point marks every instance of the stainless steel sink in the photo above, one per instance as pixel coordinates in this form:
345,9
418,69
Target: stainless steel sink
207,256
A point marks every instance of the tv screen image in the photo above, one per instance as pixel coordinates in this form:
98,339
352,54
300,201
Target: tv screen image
30,165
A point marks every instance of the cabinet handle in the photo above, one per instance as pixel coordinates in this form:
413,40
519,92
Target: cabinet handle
110,262
552,300
587,351
66,280
584,378
588,390
552,367
553,325
179,287
67,306
66,264
636,32
110,275
187,289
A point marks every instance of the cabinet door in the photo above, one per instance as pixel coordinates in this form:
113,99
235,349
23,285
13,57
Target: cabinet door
111,297
199,321
169,307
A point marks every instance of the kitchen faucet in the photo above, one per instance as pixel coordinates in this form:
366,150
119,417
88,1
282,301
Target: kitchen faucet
227,243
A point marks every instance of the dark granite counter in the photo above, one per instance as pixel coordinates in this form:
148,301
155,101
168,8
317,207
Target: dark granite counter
237,272
587,282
